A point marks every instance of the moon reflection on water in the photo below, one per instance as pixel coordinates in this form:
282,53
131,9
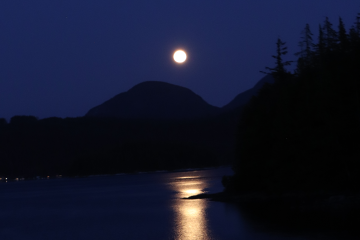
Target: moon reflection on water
190,214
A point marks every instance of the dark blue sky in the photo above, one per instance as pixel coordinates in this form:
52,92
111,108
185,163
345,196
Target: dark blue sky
63,57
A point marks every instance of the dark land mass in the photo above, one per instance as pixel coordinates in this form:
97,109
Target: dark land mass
335,215
164,101
301,133
298,150
86,146
243,98
153,126
155,100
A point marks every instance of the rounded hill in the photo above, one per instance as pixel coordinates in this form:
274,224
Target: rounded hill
155,100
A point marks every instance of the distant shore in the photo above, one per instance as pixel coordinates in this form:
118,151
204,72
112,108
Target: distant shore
14,179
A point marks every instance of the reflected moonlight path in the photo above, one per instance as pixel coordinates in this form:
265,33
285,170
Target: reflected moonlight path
190,215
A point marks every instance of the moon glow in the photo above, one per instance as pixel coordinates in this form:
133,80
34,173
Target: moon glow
179,56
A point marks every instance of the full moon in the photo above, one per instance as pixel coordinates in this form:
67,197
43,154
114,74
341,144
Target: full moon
179,56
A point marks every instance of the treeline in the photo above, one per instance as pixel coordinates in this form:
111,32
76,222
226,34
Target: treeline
302,132
83,146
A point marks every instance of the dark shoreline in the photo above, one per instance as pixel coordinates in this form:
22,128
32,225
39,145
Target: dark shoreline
336,202
335,213
16,179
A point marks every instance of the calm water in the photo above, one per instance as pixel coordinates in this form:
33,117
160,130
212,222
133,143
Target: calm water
139,206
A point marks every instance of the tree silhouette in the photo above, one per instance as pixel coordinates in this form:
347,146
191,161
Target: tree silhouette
306,44
357,24
330,35
23,120
3,122
303,134
279,72
354,34
343,37
320,46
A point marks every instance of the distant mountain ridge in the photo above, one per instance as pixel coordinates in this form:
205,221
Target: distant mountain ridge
155,100
165,101
124,134
244,97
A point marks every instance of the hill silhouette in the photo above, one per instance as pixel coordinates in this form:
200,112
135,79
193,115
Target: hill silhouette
152,126
155,100
244,97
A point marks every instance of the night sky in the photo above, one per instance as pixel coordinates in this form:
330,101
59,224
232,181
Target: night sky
63,57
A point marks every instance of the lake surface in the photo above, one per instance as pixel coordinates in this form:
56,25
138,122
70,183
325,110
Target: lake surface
129,206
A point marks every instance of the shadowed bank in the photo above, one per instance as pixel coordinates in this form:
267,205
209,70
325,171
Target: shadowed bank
298,145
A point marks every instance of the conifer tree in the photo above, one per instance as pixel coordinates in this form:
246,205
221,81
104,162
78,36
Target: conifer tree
279,72
330,35
354,34
308,131
343,37
307,43
320,47
357,24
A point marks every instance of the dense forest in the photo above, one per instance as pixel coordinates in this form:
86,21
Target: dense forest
302,132
82,146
